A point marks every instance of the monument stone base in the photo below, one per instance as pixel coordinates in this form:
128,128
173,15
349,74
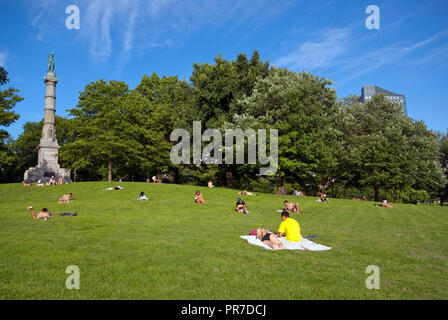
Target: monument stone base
35,174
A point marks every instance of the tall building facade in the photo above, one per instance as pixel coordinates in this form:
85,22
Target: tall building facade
367,92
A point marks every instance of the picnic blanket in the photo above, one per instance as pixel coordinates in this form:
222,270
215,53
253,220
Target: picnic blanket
305,244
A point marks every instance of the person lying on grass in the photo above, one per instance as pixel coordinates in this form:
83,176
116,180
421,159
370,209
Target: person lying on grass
142,197
291,207
198,197
43,214
241,206
116,188
245,193
269,238
66,198
289,227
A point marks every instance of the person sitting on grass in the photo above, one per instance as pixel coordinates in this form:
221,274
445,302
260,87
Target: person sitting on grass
291,207
43,214
66,198
323,197
142,197
241,206
210,184
269,238
387,204
51,182
198,197
26,183
290,227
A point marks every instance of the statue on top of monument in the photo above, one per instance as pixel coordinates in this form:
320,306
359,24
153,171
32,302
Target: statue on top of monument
51,62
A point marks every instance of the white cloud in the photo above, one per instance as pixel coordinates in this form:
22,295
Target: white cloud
320,53
355,67
3,58
122,26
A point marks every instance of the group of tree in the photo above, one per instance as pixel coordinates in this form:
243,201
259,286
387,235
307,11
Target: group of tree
344,146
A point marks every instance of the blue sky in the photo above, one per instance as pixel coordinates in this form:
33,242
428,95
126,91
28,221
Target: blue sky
125,39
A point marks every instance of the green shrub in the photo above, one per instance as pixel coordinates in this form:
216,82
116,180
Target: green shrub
263,185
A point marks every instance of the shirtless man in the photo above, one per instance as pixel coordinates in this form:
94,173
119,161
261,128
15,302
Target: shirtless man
291,207
386,203
66,198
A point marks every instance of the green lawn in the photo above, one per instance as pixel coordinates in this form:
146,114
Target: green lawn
172,248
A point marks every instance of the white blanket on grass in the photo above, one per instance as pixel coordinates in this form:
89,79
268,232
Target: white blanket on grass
305,244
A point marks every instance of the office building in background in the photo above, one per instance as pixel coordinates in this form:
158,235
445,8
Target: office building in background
367,92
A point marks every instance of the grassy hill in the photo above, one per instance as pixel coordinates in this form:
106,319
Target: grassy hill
172,248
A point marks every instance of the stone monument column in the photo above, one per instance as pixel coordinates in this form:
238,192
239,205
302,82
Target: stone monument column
49,147
47,163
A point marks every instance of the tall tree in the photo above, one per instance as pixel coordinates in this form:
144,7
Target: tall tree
164,104
383,148
102,120
305,111
8,99
444,163
218,86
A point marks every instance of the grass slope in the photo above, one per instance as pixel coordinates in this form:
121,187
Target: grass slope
172,248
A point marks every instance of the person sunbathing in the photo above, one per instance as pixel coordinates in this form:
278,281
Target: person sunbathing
26,183
142,197
291,207
387,204
245,193
210,184
51,182
323,197
116,188
241,206
198,197
269,238
43,214
66,198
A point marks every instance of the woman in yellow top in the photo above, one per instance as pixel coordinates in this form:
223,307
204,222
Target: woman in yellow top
290,227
